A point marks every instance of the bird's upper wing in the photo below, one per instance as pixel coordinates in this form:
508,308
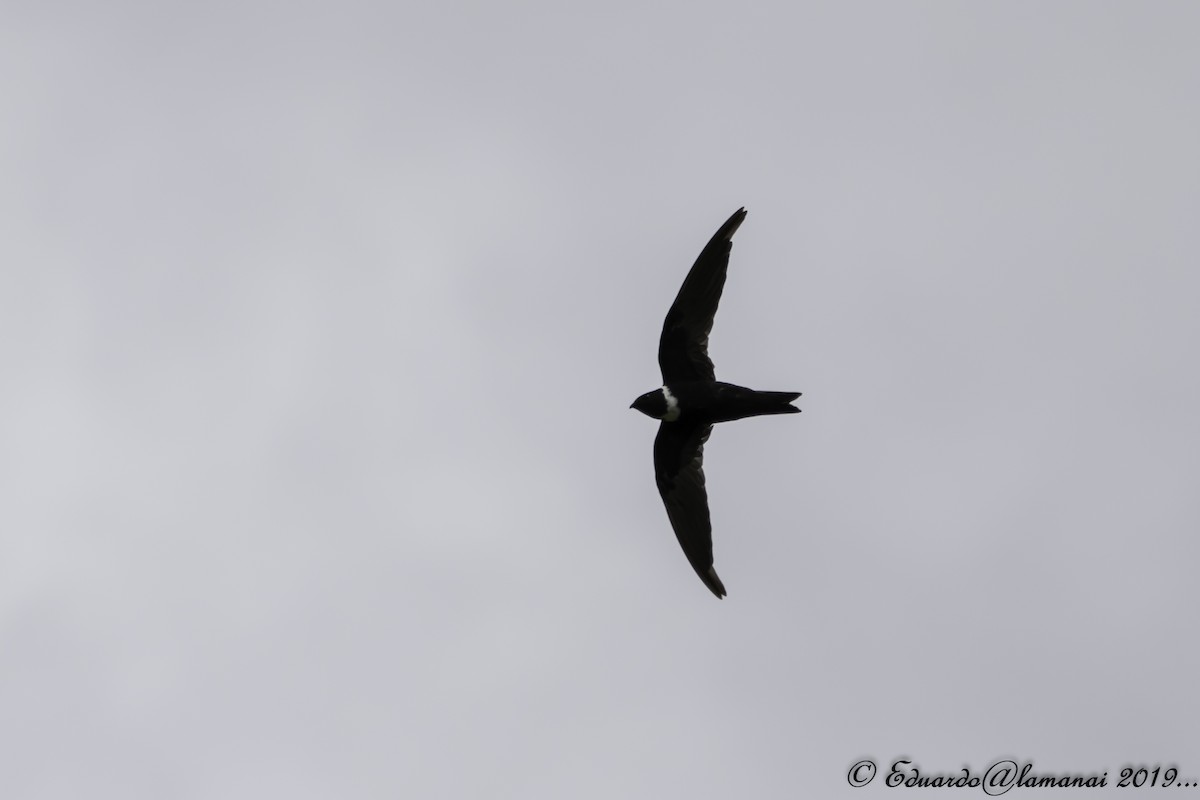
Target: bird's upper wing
679,472
683,347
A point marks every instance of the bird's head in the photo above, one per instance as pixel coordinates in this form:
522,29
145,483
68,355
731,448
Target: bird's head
652,404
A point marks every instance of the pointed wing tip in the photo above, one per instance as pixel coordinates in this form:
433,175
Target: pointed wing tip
731,225
714,583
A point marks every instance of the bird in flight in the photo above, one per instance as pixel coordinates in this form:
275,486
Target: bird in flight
692,400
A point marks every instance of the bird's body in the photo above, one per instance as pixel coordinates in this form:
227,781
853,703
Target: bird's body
691,401
715,401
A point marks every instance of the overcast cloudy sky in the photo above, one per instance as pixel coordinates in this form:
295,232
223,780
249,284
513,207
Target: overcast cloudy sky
319,324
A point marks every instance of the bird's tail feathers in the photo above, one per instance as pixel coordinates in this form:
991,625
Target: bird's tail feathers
778,402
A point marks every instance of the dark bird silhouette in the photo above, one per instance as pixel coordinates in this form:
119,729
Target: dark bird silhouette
692,400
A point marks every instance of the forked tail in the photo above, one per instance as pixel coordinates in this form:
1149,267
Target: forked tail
777,402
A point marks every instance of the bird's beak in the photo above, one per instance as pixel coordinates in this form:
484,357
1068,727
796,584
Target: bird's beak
631,404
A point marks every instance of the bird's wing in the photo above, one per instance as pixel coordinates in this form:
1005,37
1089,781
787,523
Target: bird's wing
679,472
683,347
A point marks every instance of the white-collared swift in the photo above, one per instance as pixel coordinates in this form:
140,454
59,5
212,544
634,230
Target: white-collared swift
692,400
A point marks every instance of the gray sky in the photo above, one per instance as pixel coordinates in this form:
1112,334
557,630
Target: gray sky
319,325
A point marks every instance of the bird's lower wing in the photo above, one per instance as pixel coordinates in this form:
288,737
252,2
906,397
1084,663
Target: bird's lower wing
679,472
